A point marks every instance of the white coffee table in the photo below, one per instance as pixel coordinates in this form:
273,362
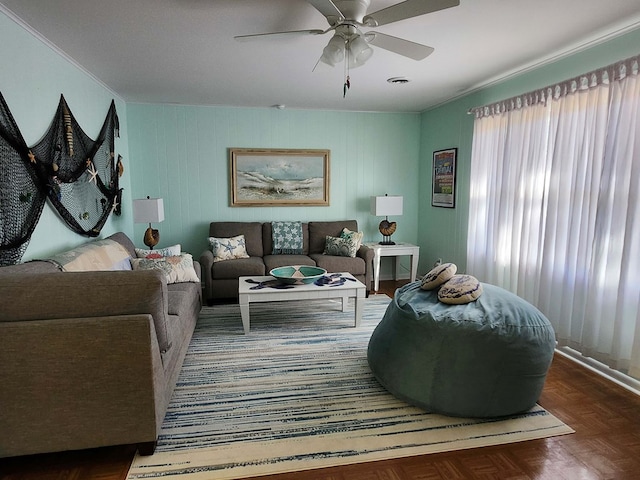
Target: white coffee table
351,288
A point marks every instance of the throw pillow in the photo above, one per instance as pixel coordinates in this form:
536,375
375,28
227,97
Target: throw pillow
355,236
341,247
228,248
124,264
93,256
460,289
171,251
177,269
287,238
438,275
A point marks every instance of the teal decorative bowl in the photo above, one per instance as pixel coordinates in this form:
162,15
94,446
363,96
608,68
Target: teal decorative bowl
297,274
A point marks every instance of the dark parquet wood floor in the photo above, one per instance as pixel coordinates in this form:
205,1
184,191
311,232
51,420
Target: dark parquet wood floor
606,445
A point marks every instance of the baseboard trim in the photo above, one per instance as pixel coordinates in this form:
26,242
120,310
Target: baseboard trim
619,378
389,276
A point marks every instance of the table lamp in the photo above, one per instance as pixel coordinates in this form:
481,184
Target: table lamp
149,210
383,206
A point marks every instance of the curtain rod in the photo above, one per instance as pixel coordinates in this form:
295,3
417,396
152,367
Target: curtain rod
602,76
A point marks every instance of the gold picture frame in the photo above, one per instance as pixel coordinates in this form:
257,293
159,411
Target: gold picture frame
279,177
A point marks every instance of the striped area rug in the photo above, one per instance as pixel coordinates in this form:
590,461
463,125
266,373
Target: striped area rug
296,394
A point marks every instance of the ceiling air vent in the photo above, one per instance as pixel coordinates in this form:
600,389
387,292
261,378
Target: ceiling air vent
398,80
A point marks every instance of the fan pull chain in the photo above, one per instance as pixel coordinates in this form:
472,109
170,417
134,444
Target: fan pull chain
347,81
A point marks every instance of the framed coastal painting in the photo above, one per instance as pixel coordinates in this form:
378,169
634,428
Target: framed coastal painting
443,175
285,177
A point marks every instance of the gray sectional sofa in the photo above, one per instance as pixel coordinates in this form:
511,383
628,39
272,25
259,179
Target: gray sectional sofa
89,358
221,278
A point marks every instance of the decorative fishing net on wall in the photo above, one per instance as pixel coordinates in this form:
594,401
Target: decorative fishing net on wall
21,200
80,175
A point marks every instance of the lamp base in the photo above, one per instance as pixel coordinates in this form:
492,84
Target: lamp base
387,229
151,238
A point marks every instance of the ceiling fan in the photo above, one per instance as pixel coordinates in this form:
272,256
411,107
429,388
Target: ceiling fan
346,17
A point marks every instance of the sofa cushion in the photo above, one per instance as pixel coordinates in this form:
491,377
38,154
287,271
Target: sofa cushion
240,267
191,289
181,302
318,232
252,232
332,264
94,256
228,248
275,261
178,268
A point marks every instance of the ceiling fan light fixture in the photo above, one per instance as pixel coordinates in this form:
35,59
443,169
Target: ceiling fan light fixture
333,53
359,51
369,21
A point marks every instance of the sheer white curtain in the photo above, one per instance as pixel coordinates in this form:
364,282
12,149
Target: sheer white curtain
554,209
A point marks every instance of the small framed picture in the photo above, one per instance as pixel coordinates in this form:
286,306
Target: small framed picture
443,191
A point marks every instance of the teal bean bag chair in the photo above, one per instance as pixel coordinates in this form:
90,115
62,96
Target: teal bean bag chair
486,358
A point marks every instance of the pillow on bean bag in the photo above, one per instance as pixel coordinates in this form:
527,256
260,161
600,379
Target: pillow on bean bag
438,275
460,289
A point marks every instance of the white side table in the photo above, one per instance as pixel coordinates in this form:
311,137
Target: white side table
393,251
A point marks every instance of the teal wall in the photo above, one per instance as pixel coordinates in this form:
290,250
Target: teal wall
180,153
442,231
32,77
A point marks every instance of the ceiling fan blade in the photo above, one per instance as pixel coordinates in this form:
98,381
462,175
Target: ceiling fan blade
326,8
258,36
400,46
407,9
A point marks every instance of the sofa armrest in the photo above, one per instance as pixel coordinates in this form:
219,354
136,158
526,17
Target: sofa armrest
70,384
206,261
60,295
198,268
367,254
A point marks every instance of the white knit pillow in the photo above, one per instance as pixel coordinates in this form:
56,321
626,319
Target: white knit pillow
438,275
460,289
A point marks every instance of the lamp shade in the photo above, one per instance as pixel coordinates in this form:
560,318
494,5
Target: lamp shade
148,210
359,52
386,205
334,51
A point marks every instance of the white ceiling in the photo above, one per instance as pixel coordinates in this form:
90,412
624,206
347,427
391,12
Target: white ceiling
183,51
